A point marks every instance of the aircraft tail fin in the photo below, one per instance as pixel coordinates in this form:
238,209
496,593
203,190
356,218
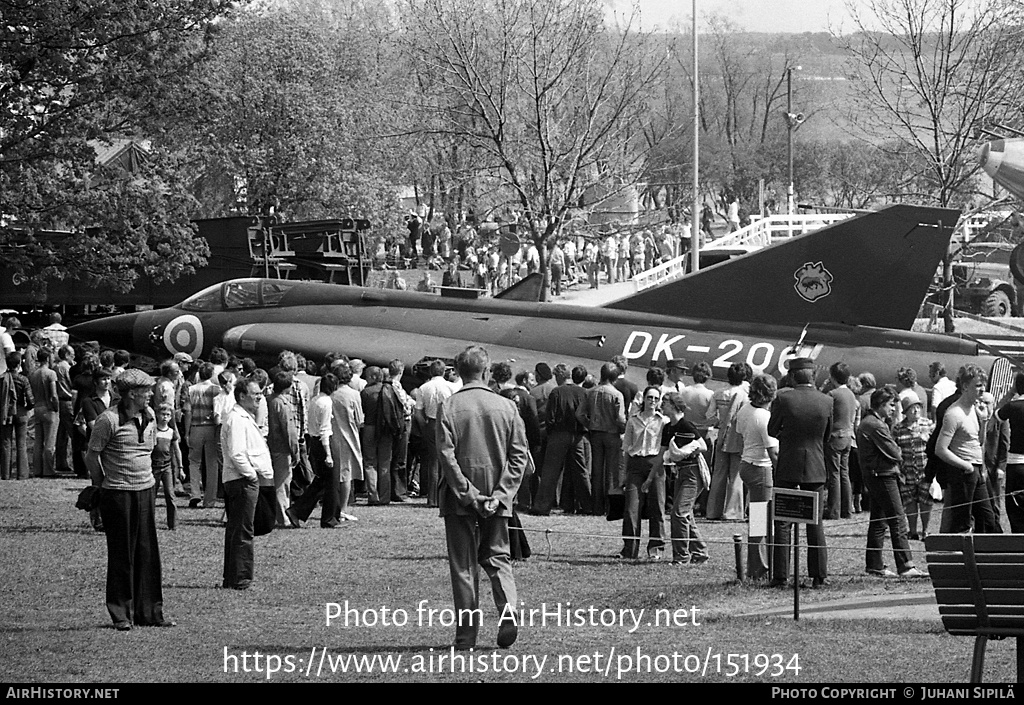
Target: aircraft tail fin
872,269
526,289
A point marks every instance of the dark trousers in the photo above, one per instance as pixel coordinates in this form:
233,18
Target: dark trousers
428,467
399,465
564,449
14,448
858,492
1015,502
134,591
638,469
817,552
556,280
65,427
473,543
325,486
687,542
378,456
968,505
840,490
606,449
887,511
240,501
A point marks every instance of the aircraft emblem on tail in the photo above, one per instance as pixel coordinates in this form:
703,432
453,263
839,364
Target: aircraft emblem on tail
813,281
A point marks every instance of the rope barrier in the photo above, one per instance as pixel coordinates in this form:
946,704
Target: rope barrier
549,532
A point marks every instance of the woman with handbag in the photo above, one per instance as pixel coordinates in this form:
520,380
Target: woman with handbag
681,445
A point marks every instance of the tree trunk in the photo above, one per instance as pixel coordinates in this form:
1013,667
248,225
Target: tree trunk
947,288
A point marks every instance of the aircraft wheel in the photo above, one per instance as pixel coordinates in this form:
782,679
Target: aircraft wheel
997,305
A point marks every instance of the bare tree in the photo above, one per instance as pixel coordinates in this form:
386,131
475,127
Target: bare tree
933,75
547,97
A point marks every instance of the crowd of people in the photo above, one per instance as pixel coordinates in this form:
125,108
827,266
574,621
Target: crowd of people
472,256
336,432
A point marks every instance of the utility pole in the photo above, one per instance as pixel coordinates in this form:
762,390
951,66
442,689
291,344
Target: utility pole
793,121
695,213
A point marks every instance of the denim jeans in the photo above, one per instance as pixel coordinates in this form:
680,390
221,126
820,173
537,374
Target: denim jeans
887,510
687,543
45,456
202,446
840,490
967,504
1015,502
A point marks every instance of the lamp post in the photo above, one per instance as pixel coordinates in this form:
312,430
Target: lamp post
695,214
793,120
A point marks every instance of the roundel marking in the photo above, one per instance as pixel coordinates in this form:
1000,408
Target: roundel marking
184,334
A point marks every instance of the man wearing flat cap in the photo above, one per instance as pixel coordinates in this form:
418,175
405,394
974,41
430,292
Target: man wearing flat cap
120,462
802,421
675,369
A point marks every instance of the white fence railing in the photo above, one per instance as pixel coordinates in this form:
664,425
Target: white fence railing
758,234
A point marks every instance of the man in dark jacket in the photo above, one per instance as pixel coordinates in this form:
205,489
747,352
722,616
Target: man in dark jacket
384,422
802,421
880,458
565,442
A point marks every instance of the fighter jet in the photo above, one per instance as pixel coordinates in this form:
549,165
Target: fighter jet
836,294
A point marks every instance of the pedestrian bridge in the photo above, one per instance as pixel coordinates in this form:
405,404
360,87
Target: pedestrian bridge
760,233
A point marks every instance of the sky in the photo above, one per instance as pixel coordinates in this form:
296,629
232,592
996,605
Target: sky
751,15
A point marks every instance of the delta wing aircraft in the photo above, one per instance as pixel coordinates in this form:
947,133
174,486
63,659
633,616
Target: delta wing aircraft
836,294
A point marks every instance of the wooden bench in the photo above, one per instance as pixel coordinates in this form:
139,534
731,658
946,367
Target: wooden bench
979,586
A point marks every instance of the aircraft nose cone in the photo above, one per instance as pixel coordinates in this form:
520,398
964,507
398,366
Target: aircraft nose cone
113,332
990,156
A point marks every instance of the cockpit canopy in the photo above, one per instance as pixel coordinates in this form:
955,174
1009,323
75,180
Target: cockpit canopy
239,294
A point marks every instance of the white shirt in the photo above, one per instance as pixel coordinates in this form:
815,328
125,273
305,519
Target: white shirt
752,424
223,403
942,389
431,393
6,341
321,410
246,454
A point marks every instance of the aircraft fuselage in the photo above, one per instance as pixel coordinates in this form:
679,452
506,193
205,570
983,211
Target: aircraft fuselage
378,326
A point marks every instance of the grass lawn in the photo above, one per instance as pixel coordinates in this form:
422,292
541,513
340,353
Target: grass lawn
55,627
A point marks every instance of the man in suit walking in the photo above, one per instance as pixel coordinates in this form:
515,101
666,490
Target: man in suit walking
845,418
483,454
802,421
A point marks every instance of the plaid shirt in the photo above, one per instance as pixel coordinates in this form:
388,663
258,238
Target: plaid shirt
299,396
125,446
912,441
